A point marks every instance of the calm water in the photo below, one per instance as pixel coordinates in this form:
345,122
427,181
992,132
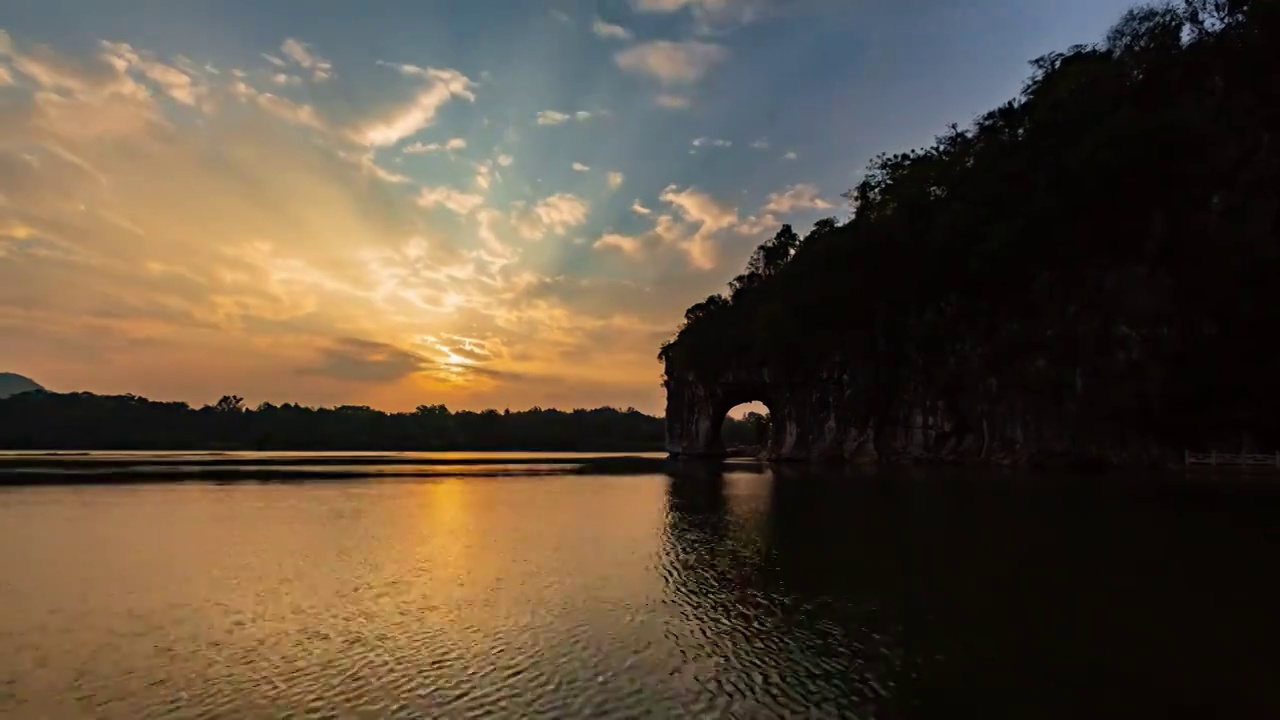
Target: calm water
704,594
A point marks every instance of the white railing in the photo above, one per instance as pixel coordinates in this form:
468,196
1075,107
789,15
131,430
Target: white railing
1241,459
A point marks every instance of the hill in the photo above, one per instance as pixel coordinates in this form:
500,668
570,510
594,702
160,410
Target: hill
1089,269
12,384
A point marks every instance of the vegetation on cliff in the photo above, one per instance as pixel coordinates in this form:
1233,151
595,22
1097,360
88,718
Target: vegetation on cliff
84,421
1112,228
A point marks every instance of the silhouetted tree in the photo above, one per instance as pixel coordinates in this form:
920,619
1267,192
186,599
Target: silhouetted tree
86,421
229,403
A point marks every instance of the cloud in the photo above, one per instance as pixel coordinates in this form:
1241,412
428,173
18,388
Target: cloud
290,111
505,160
802,196
552,215
699,207
302,54
93,79
757,224
452,144
402,120
366,361
579,167
614,179
175,83
790,155
555,117
561,16
672,63
484,174
371,167
282,108
609,30
711,142
275,60
693,226
293,264
370,361
627,244
552,117
761,144
709,16
673,102
456,200
285,79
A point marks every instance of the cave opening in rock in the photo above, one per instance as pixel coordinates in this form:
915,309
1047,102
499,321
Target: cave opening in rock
745,428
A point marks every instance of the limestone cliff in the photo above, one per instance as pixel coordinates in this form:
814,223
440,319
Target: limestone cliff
856,414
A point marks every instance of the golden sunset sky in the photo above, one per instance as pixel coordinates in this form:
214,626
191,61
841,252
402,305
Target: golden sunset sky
490,204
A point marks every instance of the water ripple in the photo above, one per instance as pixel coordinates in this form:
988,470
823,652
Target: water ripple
622,597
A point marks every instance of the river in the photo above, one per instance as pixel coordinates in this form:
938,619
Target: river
689,593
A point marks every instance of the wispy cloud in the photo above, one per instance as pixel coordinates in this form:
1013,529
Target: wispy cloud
609,30
381,274
302,54
672,63
281,107
673,102
692,226
552,117
790,155
710,16
802,196
450,145
555,117
761,144
711,142
626,244
456,200
553,215
401,120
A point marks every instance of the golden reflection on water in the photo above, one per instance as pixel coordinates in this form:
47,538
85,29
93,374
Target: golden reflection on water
741,594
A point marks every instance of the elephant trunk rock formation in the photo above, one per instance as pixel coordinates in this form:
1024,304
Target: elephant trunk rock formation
843,415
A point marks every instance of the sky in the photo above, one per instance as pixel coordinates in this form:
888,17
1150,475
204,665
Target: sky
404,202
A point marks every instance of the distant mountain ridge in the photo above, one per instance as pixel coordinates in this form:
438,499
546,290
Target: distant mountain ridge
13,383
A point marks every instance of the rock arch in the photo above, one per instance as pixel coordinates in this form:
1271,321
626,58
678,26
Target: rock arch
808,421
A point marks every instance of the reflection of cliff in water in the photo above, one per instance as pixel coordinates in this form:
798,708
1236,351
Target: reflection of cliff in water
758,627
937,593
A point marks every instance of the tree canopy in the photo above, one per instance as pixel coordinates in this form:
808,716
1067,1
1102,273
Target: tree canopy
1114,224
84,421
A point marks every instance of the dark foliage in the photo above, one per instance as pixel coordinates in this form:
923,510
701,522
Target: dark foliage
1113,226
84,421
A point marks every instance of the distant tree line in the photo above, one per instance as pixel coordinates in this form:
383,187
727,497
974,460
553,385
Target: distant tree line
1116,226
42,420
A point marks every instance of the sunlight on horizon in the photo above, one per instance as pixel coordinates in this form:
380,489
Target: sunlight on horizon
255,202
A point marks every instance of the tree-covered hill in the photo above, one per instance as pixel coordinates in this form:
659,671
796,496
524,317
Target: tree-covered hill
1107,240
12,384
85,421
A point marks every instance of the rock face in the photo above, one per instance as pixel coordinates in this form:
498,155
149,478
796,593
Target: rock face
853,415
